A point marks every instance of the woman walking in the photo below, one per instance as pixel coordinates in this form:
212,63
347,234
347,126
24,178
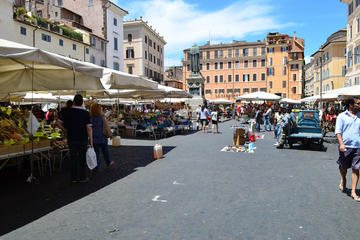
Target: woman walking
100,140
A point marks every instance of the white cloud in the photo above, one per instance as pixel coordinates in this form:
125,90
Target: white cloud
182,24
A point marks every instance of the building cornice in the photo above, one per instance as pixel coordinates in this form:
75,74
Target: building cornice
140,22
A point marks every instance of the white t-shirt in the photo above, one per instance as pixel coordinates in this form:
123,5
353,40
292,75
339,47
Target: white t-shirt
214,116
203,114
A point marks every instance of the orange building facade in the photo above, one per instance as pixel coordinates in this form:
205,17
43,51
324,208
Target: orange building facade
231,70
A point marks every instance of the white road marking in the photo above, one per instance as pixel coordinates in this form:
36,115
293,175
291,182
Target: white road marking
176,183
156,199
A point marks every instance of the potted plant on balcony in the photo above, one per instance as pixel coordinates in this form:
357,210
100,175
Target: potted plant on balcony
20,13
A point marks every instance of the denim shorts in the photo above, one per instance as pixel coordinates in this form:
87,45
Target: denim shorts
349,159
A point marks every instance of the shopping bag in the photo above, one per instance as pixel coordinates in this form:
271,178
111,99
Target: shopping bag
91,158
158,152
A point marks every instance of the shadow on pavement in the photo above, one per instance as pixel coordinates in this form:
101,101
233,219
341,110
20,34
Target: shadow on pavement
22,203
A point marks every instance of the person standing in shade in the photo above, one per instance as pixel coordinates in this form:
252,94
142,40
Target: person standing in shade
76,122
348,134
100,141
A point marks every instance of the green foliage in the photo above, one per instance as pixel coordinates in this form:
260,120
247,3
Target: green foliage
72,34
30,19
21,11
41,22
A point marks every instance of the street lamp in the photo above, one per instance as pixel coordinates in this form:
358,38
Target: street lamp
321,60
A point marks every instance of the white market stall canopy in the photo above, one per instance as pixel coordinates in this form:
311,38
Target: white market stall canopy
221,101
113,79
51,71
289,101
46,98
259,96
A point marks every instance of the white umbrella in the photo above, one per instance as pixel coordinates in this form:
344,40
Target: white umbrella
259,96
290,101
24,68
221,101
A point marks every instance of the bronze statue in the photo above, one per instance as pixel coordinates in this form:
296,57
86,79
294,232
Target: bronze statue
195,59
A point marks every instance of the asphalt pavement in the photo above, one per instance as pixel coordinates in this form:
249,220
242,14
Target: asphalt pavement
198,192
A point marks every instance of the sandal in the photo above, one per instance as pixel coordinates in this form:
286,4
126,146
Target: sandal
342,188
356,198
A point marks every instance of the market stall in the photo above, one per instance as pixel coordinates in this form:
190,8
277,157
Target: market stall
259,96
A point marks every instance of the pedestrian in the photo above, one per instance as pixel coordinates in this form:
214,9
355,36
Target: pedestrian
100,141
258,116
277,124
203,118
347,131
267,116
286,125
215,120
76,122
208,124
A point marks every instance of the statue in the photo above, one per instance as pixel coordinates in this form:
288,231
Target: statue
195,59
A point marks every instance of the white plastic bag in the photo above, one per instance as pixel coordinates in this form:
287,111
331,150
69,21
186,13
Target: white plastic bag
91,158
158,152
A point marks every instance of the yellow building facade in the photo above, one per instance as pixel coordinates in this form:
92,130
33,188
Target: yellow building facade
330,63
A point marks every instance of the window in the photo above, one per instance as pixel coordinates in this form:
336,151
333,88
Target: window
229,53
158,49
237,78
349,59
343,71
145,54
270,50
23,31
358,23
61,42
270,61
207,79
254,51
229,78
207,54
74,47
270,84
115,43
92,41
294,66
221,53
237,52
263,62
216,91
221,65
87,50
245,52
154,45
246,64
350,31
102,46
357,54
327,56
284,60
92,59
295,56
215,66
91,2
216,54
129,37
284,70
237,90
254,63
237,64
246,77
188,56
246,90
263,77
146,39
130,53
229,65
357,82
229,90
350,8
283,49
45,37
254,77
208,91
263,89
271,71
254,90
200,65
221,78
293,90
150,42
283,84
130,69
188,67
116,66
221,91
284,95
216,79
102,63
59,2
207,66
263,51
56,14
294,77
357,3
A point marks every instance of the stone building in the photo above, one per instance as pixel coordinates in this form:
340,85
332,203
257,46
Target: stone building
143,50
352,43
173,77
285,65
309,79
330,63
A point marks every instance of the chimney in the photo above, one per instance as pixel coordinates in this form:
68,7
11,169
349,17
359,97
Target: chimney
294,35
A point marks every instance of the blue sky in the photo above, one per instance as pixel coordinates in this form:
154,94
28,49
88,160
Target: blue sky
184,22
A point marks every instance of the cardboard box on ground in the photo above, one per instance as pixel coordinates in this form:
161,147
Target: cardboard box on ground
239,137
